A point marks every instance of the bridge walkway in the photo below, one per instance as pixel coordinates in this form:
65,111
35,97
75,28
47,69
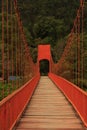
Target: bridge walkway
49,110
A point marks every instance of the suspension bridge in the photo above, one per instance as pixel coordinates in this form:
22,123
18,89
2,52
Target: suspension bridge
29,101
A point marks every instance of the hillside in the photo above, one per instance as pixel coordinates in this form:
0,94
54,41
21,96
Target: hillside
50,21
47,21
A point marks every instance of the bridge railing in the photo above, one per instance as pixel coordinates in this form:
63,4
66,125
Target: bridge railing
12,106
16,63
72,62
74,94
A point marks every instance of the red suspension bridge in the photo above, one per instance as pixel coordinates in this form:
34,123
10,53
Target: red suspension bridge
30,101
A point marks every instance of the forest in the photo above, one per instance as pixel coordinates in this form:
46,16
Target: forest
47,22
50,22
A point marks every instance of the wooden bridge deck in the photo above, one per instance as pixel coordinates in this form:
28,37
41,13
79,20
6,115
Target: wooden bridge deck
49,110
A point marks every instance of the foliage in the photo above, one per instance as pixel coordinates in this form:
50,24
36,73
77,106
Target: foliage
48,28
47,20
50,22
6,88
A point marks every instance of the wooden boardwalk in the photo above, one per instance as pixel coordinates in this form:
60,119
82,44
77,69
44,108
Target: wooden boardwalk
49,110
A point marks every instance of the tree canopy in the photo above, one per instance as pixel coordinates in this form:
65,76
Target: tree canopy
48,20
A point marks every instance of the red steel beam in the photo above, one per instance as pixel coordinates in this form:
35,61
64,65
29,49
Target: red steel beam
74,94
12,106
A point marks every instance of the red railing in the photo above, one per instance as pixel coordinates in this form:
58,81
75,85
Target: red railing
74,94
72,60
12,106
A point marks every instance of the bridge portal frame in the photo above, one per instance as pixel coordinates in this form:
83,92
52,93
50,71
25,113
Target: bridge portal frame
44,53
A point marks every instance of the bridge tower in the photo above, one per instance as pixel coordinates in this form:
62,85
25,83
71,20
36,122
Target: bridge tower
44,53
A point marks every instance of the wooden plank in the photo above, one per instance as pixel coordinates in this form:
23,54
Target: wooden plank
49,110
51,120
50,129
51,125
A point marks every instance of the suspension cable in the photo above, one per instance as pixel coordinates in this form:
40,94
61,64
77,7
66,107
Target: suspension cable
76,33
3,47
7,28
78,47
12,44
82,45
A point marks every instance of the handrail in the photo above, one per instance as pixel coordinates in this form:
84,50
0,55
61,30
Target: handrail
76,96
12,106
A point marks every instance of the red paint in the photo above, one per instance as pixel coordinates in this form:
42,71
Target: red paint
75,95
44,52
12,107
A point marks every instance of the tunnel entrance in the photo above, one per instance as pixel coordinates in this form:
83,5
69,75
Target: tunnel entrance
44,67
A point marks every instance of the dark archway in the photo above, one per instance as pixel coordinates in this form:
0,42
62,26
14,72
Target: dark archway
44,67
